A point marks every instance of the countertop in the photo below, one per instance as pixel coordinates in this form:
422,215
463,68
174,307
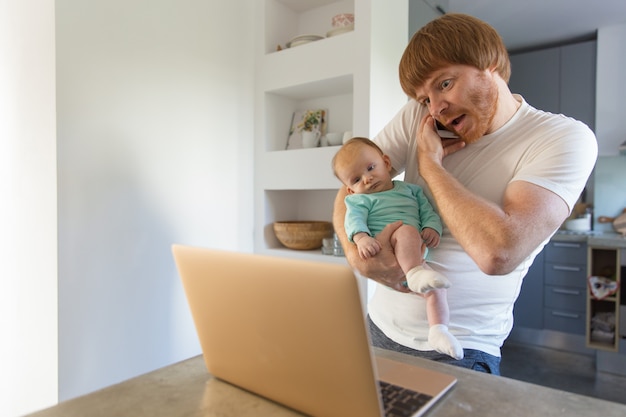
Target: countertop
604,239
186,389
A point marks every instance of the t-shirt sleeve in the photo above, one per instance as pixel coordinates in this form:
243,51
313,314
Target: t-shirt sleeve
563,162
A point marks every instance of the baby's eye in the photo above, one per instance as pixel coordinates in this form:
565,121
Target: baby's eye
356,180
371,167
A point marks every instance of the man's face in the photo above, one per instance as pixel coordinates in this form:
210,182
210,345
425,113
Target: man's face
463,98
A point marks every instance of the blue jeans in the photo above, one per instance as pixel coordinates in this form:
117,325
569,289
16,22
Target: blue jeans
472,358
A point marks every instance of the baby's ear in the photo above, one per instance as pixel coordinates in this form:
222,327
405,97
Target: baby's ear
349,190
387,162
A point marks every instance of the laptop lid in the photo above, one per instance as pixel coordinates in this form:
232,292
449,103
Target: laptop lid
290,330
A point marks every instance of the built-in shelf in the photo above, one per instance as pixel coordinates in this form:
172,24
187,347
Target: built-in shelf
337,74
604,262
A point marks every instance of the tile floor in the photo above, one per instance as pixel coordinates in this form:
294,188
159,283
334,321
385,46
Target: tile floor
562,370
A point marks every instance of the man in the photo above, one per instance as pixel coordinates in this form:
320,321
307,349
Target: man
502,188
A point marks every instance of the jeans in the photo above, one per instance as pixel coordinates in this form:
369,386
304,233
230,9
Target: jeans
472,358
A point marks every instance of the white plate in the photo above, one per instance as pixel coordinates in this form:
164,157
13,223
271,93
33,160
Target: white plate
340,30
302,39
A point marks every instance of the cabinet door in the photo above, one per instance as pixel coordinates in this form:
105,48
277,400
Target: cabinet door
578,82
529,305
535,75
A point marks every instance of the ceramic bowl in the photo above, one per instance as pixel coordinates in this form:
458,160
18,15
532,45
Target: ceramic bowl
334,139
303,235
578,225
343,19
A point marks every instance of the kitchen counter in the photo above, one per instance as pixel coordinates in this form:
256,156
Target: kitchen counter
186,389
608,239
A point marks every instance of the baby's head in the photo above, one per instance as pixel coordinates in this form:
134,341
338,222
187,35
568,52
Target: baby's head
362,167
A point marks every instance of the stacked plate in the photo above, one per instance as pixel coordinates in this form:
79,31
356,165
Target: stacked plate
302,39
340,30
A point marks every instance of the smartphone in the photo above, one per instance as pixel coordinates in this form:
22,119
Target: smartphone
443,132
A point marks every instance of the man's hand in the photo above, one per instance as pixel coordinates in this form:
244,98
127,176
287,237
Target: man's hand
384,267
431,147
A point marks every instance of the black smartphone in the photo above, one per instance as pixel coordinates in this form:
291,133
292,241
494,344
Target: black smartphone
443,132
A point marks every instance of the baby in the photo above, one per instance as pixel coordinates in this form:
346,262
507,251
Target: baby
374,200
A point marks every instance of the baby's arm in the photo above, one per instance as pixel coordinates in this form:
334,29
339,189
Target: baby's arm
367,245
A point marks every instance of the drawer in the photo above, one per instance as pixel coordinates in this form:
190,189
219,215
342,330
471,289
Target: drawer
565,274
566,252
564,320
565,298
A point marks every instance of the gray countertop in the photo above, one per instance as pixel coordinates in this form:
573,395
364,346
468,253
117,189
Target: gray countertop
605,239
186,389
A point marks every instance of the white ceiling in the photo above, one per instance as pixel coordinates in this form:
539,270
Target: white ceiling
528,23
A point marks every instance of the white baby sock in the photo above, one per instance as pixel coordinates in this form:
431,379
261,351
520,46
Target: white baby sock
422,280
444,342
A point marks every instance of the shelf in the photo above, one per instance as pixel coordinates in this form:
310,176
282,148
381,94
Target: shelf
351,76
312,255
286,19
300,169
603,316
332,94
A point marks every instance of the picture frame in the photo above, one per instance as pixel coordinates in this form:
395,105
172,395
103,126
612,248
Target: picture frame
313,120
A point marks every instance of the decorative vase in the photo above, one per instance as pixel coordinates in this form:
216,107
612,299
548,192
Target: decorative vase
310,139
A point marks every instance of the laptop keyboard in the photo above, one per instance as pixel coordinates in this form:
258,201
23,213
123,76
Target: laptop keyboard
401,402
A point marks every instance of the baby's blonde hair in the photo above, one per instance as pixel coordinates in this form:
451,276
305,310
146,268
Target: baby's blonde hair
349,148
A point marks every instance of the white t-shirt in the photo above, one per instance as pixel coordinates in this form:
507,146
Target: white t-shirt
552,151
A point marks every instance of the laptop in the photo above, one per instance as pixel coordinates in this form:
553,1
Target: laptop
294,331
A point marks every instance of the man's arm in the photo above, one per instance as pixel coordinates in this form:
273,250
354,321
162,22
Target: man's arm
497,238
383,267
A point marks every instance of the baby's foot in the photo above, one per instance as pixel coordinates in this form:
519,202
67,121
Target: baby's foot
444,342
422,280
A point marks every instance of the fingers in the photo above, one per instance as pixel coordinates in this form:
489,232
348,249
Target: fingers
385,235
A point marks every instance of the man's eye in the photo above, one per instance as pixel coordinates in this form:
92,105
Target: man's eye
445,84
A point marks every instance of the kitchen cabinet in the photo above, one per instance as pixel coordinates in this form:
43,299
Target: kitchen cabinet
352,75
559,79
603,315
565,286
526,313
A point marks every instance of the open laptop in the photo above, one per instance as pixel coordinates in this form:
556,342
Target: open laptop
294,332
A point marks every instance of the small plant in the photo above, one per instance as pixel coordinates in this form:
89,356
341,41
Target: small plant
311,120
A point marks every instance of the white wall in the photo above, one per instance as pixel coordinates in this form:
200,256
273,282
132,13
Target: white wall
28,241
154,126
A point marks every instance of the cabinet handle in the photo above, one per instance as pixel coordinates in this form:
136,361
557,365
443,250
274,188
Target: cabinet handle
566,315
566,245
564,291
566,268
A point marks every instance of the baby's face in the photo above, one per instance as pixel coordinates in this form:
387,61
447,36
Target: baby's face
366,172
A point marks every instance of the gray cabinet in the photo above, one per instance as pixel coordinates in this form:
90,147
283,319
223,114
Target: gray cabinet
565,283
528,311
560,79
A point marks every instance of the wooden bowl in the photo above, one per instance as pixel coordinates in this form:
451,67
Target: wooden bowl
303,235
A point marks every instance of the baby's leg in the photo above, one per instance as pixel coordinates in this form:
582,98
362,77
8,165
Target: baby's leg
423,279
407,245
439,336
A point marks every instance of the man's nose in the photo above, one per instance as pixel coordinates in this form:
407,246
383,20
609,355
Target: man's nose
438,106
